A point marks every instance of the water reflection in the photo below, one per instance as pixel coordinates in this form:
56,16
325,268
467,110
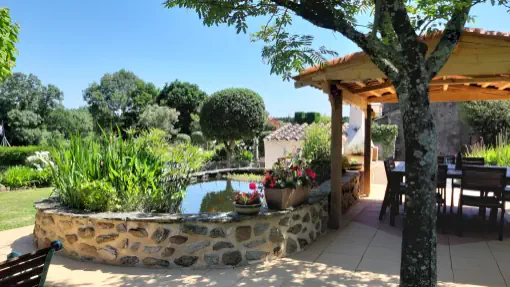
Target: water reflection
212,196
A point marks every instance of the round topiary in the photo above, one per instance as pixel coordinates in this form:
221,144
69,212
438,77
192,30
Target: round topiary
197,138
232,114
182,138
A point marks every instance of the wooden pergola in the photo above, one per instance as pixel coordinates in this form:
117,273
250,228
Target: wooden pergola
478,69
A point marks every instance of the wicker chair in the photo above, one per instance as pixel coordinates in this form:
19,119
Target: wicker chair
478,161
486,180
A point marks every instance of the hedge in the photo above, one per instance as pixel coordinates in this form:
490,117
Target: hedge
300,117
10,156
313,118
385,135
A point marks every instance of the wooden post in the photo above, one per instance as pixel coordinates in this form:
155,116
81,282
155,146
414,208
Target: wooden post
368,150
336,99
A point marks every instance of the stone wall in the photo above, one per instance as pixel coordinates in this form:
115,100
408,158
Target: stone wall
212,240
451,131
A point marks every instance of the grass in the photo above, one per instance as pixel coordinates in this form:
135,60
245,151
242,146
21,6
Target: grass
494,155
17,207
245,177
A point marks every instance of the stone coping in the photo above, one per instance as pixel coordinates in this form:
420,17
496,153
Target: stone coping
52,206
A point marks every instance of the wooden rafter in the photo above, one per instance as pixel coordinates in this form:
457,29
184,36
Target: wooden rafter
504,86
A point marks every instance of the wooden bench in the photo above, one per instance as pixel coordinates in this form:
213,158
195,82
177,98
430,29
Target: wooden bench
28,270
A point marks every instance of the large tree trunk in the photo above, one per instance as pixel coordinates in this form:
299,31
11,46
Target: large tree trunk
229,148
418,265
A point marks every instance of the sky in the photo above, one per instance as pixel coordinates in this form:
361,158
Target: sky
72,44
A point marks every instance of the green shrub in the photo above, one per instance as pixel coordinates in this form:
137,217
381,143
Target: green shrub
182,138
498,155
23,176
385,135
246,155
312,117
317,143
300,117
130,174
10,156
197,138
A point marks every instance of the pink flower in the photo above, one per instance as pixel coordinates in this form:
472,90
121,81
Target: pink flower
299,173
253,185
271,185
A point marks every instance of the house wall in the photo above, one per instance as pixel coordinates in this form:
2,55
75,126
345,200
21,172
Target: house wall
452,132
273,150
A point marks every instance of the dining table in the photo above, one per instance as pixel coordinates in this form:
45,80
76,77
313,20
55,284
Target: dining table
400,169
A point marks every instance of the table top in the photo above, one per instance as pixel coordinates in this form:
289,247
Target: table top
400,167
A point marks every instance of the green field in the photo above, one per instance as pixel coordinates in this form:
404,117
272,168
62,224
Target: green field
17,207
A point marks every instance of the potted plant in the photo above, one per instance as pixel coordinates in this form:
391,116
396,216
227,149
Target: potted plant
288,184
354,165
249,203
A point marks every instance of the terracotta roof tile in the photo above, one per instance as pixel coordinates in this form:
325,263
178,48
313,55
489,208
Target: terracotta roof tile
294,132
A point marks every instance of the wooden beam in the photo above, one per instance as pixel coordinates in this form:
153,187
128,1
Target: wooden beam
501,88
457,94
361,84
470,80
372,88
335,211
445,87
352,99
367,156
380,80
486,84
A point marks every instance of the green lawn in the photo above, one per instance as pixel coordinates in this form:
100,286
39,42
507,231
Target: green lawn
17,207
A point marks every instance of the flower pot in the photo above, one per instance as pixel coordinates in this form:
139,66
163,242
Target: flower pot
252,209
283,198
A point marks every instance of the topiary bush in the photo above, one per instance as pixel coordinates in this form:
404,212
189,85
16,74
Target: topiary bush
313,117
232,114
10,156
197,138
182,138
300,117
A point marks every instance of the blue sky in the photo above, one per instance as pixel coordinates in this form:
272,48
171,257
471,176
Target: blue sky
73,43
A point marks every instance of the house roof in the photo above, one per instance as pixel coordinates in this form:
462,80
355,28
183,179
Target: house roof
292,132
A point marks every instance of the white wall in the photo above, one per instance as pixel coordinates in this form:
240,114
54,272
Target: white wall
273,150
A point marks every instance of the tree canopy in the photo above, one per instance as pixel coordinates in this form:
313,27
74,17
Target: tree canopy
186,98
232,114
118,99
489,118
159,117
8,39
25,104
70,122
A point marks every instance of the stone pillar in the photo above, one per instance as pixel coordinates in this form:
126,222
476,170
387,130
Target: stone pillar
336,99
368,150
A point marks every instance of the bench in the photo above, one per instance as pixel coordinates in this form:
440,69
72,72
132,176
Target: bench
28,269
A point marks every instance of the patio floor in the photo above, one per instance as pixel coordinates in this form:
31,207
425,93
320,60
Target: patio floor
364,252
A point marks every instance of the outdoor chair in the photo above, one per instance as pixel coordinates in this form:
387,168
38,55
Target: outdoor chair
478,161
440,159
28,269
486,180
395,189
441,177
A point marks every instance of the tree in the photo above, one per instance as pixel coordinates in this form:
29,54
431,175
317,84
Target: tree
232,114
118,99
488,118
186,98
394,45
70,122
157,117
8,38
25,104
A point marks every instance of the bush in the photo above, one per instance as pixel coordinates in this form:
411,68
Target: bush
246,155
10,156
182,138
498,155
300,117
317,143
197,138
313,118
488,118
22,176
385,135
116,174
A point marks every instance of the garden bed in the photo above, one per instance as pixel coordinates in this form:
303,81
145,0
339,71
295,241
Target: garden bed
205,240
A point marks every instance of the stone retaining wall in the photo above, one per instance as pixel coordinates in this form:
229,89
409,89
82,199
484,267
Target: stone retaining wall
212,240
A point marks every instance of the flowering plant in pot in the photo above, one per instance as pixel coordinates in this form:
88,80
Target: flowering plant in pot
288,184
249,203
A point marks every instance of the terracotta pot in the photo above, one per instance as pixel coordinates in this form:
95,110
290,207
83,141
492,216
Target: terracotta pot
252,209
283,198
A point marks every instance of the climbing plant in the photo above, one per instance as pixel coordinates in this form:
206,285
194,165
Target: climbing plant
385,135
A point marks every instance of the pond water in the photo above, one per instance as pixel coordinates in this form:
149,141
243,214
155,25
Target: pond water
212,196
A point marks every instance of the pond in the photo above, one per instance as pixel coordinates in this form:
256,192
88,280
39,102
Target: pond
212,196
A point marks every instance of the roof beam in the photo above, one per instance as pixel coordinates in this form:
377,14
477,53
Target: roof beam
501,88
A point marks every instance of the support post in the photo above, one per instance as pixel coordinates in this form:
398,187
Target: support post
336,99
368,151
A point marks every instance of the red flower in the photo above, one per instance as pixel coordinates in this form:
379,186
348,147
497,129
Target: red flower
299,173
313,175
271,185
253,185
